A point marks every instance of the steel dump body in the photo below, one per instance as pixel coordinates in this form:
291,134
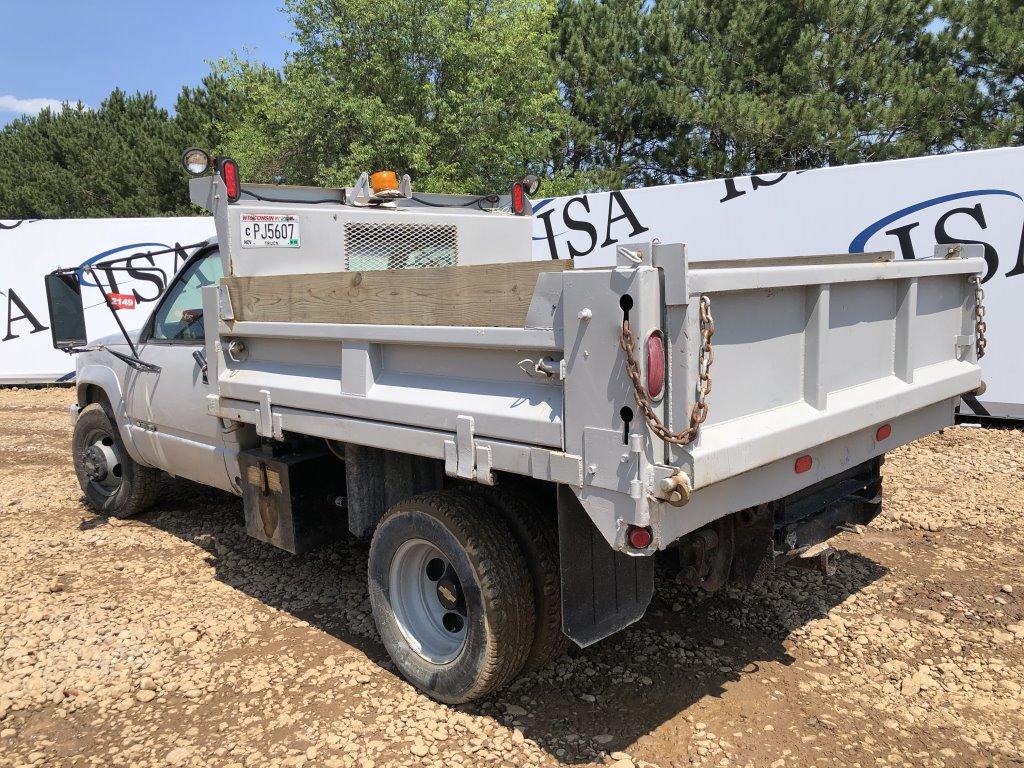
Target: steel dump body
368,361
499,364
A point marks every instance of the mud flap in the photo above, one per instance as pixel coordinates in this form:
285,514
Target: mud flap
603,591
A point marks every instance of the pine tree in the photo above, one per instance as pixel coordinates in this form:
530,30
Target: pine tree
83,163
986,41
611,89
689,89
121,159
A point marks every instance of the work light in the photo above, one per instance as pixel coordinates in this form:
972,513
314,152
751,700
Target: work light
195,160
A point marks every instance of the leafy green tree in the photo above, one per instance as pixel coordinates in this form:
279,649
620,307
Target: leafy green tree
460,94
986,41
205,114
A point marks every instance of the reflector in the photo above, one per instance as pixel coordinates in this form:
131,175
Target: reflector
883,432
655,364
802,464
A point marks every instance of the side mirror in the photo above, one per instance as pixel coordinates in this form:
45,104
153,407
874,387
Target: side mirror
67,316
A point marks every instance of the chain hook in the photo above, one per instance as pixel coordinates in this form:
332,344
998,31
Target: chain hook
705,358
979,316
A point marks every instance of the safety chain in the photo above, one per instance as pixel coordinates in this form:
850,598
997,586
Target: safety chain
979,316
705,357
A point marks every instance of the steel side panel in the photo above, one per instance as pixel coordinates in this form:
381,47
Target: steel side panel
800,364
741,278
737,446
427,335
778,479
506,456
522,413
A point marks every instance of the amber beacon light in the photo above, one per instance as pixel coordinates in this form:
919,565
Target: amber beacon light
384,181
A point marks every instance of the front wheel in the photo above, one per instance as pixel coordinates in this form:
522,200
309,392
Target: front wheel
451,595
114,484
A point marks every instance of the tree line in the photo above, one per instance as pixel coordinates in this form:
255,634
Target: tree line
467,95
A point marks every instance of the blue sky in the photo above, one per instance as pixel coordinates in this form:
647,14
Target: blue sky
58,50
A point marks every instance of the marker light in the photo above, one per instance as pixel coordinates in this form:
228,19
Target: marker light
802,464
518,199
384,181
639,538
196,161
655,364
883,432
229,175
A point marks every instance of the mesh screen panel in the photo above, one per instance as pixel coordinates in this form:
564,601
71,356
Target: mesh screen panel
399,246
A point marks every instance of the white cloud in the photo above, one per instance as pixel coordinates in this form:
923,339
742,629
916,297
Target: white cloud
27,106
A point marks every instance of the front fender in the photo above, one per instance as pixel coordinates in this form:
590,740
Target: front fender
106,379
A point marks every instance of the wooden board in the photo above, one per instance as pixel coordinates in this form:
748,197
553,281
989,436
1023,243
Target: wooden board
485,295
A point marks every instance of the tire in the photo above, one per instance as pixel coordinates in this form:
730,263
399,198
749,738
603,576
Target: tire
537,536
471,633
114,484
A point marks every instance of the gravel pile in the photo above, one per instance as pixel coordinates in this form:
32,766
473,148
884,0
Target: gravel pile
175,640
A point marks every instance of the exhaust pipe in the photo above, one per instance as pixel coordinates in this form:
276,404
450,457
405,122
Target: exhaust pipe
820,558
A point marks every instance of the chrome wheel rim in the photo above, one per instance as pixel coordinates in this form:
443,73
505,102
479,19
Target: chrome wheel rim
428,601
101,463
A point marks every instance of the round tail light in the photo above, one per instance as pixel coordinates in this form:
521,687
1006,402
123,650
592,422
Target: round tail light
639,538
655,364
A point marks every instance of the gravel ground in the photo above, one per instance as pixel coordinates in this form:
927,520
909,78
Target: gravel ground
173,639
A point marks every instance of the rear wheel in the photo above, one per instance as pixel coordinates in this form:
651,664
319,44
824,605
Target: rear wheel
537,536
113,483
451,595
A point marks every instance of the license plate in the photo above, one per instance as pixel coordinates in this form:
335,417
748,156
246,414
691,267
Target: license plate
268,230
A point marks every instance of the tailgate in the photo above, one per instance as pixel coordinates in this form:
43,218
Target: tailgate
809,349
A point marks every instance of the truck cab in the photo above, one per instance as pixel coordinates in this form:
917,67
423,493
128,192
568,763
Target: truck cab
160,412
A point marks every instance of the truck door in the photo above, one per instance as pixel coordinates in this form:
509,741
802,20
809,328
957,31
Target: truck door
170,423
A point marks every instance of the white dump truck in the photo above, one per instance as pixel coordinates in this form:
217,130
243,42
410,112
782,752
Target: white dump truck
516,438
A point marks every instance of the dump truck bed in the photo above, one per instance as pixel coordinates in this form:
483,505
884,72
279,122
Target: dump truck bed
520,367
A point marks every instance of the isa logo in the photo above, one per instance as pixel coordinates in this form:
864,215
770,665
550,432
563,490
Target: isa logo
993,218
585,223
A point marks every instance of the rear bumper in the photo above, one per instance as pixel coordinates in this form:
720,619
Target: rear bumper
816,514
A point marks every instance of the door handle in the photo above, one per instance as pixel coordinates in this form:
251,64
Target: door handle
200,359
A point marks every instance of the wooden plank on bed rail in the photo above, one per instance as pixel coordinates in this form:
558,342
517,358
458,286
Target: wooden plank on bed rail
484,295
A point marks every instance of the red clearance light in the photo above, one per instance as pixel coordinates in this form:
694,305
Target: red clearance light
655,364
518,199
802,464
639,538
229,175
883,432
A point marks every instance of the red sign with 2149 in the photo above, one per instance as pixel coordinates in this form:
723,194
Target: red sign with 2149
121,300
